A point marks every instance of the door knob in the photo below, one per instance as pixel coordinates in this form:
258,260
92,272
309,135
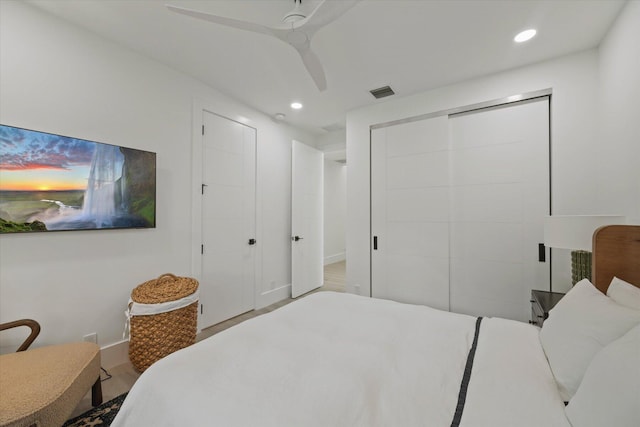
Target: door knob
296,238
252,241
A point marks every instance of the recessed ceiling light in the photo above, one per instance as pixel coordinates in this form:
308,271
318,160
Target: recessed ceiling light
524,36
296,105
280,116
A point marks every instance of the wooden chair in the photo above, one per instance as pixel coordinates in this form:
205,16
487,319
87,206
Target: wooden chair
42,386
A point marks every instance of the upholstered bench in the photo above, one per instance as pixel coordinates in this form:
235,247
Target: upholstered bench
43,386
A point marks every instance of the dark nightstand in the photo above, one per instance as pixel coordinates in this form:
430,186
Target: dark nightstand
541,303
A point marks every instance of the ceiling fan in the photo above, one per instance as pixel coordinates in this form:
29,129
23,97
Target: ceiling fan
297,29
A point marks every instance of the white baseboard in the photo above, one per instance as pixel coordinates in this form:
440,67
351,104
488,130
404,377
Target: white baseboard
335,258
114,354
273,296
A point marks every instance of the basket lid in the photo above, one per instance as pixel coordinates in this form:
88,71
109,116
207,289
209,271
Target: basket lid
165,288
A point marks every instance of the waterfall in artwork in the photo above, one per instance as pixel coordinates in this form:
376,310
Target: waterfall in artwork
100,197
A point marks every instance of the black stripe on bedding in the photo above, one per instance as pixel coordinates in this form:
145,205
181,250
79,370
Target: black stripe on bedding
462,395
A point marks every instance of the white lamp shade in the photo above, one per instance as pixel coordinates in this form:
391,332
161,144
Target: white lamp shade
575,231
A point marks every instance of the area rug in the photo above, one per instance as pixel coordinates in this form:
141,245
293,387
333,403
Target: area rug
102,415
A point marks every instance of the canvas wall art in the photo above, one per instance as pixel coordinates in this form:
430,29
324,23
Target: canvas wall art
51,182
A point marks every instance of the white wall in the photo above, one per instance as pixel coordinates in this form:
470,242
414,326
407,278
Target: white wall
333,138
618,145
333,145
595,133
62,79
335,211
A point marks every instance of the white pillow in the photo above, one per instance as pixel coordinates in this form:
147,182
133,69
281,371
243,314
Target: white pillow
581,324
610,391
624,293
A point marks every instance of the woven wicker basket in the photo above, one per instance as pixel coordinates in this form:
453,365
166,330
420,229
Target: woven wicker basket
155,336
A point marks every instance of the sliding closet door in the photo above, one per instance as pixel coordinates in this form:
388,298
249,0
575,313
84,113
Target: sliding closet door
409,213
499,197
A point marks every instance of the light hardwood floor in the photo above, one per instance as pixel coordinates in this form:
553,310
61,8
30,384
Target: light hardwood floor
124,376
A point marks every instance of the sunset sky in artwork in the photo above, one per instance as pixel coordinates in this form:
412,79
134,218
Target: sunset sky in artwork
36,161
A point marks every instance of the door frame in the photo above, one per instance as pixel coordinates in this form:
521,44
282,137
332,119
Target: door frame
198,109
542,93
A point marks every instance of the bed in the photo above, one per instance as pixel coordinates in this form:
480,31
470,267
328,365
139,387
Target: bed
334,359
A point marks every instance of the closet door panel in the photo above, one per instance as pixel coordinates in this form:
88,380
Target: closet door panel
499,197
406,141
467,275
480,125
418,170
379,203
418,239
477,289
487,241
427,204
418,280
409,213
488,164
487,203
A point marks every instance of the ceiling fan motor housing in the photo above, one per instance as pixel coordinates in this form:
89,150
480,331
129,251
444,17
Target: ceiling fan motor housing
295,15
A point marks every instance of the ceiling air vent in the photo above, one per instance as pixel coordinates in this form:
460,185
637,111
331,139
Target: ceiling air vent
334,127
381,92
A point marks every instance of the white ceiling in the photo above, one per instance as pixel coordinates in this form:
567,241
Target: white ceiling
412,46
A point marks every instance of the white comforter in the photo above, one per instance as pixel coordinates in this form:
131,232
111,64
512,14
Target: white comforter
341,360
511,382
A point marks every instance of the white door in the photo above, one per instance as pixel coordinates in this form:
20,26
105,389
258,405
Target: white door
228,219
499,197
307,170
410,213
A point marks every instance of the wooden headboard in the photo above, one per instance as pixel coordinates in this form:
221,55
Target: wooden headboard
616,252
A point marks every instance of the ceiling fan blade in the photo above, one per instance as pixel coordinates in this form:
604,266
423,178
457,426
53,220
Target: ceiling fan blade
314,67
326,12
229,22
310,60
